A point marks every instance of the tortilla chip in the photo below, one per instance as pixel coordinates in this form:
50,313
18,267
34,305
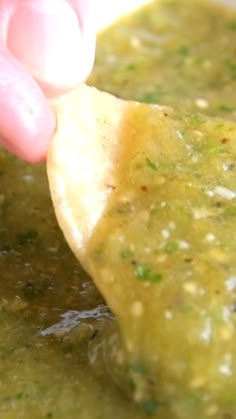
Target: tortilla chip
81,160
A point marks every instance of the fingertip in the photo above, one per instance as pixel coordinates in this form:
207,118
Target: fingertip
25,145
26,122
60,52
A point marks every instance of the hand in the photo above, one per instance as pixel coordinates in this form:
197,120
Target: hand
46,47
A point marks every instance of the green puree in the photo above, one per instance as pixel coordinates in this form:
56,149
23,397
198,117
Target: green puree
175,52
169,250
164,258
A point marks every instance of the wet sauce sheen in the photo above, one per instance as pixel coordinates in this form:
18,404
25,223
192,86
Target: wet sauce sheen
53,322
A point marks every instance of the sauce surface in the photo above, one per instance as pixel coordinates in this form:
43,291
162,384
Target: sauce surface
163,256
176,53
53,320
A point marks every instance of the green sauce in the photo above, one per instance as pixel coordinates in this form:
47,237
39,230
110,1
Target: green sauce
178,53
163,255
59,343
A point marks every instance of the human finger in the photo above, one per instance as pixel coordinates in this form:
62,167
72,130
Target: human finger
26,120
54,41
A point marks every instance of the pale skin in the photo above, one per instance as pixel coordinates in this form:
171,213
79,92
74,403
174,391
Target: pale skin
46,48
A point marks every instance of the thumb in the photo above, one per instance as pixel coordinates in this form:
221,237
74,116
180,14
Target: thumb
52,42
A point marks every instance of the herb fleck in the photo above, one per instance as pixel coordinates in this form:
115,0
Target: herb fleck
226,108
144,273
196,119
150,406
184,51
25,238
231,66
137,368
232,25
171,247
131,67
126,254
215,150
148,97
151,164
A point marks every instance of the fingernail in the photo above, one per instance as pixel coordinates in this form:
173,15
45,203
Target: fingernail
45,36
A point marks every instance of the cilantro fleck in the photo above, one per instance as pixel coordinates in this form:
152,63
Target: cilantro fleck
226,108
232,25
27,237
150,406
5,247
230,211
144,273
196,119
137,368
149,97
131,67
215,150
231,66
154,211
184,51
35,288
126,254
154,96
195,399
68,348
171,247
151,164
3,231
